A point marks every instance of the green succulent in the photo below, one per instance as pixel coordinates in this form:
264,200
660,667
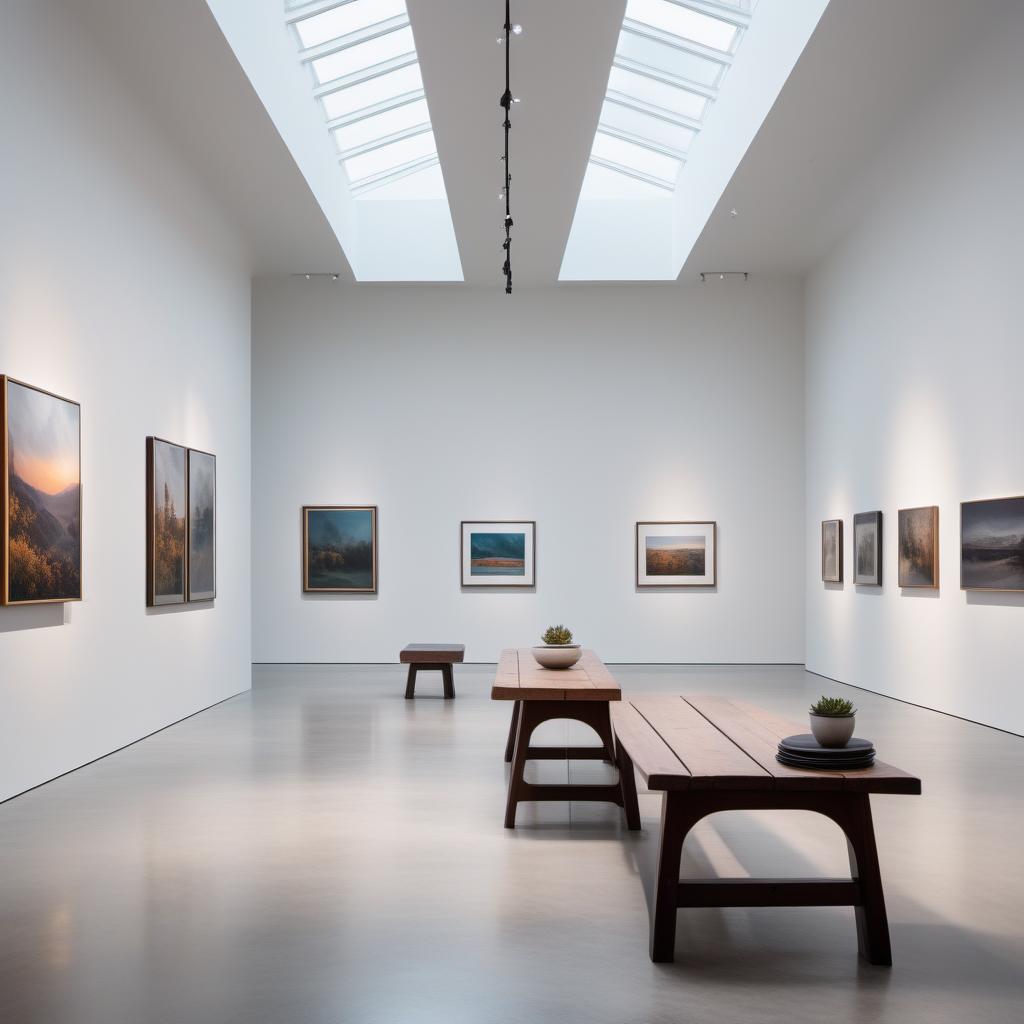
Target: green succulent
557,636
833,707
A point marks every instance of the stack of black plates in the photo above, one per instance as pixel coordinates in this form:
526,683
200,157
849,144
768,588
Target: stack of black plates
804,751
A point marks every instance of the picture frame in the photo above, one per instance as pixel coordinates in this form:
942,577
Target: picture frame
166,523
498,552
918,547
832,550
201,551
40,496
992,545
867,549
339,549
676,553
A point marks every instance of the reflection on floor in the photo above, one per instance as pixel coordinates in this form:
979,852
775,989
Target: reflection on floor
322,850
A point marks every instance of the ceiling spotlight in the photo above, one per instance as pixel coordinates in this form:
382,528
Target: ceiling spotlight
734,212
516,99
307,277
517,30
721,277
334,277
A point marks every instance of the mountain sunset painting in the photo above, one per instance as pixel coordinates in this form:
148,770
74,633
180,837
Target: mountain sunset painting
43,507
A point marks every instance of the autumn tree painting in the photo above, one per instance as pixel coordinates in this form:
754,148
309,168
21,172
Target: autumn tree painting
43,496
166,513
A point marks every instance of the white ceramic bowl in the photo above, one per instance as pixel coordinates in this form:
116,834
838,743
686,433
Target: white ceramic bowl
557,655
830,731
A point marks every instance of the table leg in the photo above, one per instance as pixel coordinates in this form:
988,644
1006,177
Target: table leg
523,730
410,683
872,920
678,816
510,745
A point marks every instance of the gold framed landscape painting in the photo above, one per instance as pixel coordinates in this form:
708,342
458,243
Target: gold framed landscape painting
41,491
166,516
339,549
677,554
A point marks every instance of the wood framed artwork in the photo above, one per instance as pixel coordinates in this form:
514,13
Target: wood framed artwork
992,545
832,550
867,549
495,553
679,554
41,495
201,570
166,515
918,530
339,549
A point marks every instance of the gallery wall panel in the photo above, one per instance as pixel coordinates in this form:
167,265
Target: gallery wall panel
583,409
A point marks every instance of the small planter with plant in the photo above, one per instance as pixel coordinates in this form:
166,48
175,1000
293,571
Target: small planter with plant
557,649
832,721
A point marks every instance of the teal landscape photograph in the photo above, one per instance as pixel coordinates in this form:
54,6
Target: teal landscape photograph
340,549
497,554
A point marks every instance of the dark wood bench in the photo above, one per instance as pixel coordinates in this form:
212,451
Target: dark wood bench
435,657
709,754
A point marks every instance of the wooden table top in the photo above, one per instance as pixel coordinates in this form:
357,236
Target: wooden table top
718,743
431,653
519,677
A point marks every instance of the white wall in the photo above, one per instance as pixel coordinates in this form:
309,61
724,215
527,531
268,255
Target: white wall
120,287
915,356
584,408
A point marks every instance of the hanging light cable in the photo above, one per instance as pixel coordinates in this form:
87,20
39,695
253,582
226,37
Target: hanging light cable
507,99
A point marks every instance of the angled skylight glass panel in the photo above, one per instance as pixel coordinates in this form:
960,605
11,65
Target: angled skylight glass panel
657,92
390,156
365,130
342,19
659,129
652,50
361,56
684,21
636,157
373,91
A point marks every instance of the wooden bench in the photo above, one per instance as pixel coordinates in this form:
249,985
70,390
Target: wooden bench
711,754
582,693
438,657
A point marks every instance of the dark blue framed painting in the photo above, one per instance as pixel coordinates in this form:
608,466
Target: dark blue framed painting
498,553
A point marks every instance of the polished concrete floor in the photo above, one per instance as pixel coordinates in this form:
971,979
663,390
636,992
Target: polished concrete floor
321,850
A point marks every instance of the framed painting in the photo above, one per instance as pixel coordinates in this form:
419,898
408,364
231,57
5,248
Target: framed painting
498,554
41,493
867,549
832,550
918,530
992,544
339,549
682,554
166,515
201,575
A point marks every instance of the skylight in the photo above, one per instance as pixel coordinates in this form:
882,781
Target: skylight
365,81
655,166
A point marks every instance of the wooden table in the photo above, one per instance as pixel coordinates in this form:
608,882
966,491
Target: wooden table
711,754
582,693
439,657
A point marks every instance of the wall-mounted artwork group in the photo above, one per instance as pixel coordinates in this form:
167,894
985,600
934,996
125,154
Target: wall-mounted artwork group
181,524
991,546
41,493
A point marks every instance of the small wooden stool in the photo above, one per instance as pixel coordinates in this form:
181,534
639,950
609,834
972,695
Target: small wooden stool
437,657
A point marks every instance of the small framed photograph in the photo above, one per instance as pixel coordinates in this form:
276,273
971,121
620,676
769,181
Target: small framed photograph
832,550
339,549
867,549
166,512
918,530
498,554
681,554
992,545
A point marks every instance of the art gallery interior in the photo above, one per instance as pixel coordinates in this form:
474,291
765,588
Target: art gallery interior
349,346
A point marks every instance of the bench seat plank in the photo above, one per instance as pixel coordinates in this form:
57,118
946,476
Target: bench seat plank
712,759
651,756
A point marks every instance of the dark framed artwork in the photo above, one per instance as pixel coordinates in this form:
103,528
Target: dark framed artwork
339,549
166,522
992,544
201,570
918,530
832,550
677,554
867,549
498,553
41,494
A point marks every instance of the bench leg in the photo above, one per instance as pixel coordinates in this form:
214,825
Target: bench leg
678,815
410,683
872,920
524,726
627,780
448,677
510,745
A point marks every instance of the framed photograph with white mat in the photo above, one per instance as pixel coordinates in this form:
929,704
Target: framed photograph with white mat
677,554
498,554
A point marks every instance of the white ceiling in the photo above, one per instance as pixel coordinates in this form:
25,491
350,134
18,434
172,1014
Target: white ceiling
796,190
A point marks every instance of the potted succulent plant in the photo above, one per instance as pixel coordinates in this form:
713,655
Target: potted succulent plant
557,650
832,721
